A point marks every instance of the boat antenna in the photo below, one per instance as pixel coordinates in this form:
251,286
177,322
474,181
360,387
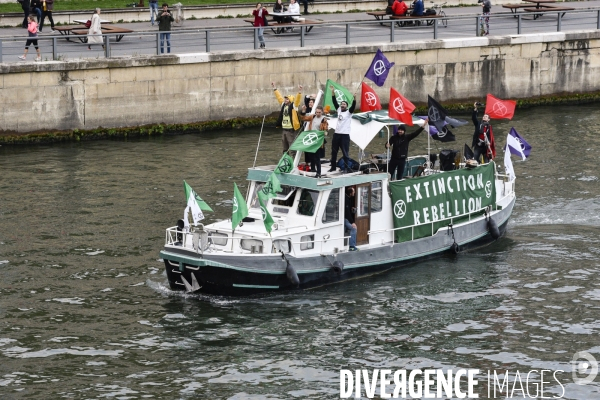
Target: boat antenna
259,137
429,147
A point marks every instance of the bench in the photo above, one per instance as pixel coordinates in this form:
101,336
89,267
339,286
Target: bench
515,7
82,33
537,10
281,27
411,18
379,15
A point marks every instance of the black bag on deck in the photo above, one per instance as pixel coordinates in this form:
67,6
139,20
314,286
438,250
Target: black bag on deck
447,160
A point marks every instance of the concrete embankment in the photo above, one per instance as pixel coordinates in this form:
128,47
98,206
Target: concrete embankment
182,89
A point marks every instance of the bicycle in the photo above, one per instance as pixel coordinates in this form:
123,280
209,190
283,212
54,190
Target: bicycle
442,15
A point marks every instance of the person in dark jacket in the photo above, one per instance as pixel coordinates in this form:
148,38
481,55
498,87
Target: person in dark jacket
418,8
36,8
388,9
47,6
25,5
164,26
349,216
399,144
485,17
482,137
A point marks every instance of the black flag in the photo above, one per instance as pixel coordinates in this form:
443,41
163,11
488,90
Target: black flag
436,113
468,153
445,135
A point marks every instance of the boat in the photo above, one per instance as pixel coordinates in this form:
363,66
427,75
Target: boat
432,212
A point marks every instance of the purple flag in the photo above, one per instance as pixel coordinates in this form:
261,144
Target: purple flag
525,147
379,69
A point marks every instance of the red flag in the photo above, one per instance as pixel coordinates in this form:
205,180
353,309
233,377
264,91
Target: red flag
369,101
400,108
498,109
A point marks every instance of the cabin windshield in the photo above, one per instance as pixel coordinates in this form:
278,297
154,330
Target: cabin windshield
254,198
308,202
285,197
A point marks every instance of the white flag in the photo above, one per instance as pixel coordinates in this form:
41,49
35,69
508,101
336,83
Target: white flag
515,145
193,206
508,166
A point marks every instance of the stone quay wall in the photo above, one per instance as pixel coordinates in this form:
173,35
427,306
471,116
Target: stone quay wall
190,88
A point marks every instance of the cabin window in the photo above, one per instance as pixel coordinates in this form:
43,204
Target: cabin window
285,197
308,202
257,187
247,244
220,239
332,208
376,197
307,242
363,201
282,245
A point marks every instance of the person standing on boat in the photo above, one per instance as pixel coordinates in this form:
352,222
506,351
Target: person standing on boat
399,144
349,213
288,117
319,122
341,137
483,138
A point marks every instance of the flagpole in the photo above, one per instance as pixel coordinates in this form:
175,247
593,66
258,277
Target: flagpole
359,85
259,137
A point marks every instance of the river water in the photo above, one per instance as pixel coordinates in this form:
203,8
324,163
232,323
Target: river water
86,313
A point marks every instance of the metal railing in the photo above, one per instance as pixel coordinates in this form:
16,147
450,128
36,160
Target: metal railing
208,40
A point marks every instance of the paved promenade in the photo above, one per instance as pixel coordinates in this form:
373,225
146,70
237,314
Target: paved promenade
226,33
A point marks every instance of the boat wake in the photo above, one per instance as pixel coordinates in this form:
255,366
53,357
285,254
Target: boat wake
560,211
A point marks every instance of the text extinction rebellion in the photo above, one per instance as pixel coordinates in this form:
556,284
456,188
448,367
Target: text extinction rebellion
437,384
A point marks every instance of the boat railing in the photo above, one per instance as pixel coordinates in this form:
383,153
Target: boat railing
329,239
175,237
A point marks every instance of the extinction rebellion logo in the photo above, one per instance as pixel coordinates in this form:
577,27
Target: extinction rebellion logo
400,209
371,99
379,67
310,139
398,105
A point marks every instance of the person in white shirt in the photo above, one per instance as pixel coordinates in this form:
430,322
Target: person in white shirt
341,137
294,8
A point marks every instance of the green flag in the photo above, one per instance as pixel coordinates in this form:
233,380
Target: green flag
308,141
201,203
285,165
240,208
271,187
341,94
267,219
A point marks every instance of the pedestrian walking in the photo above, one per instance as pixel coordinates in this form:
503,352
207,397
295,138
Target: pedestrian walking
95,32
164,26
260,15
47,6
153,10
32,30
485,17
25,5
